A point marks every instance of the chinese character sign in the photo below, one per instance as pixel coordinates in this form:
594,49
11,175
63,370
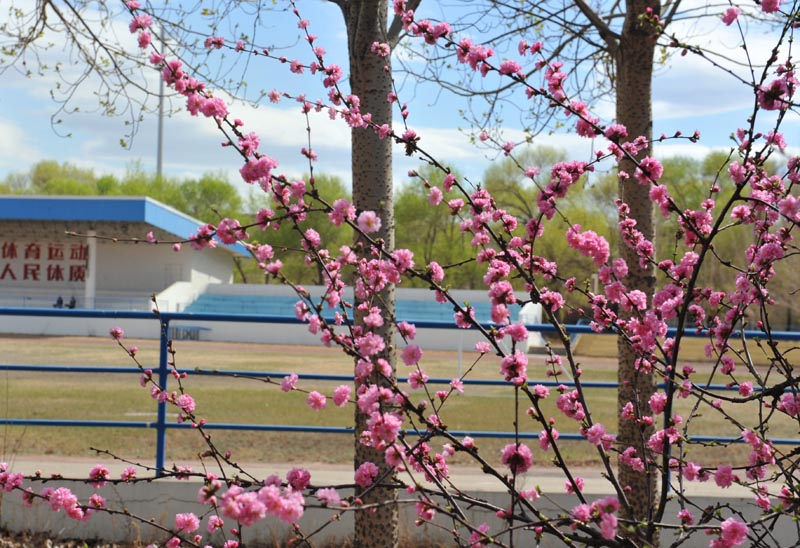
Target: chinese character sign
42,262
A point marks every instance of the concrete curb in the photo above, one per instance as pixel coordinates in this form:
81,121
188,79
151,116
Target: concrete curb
161,500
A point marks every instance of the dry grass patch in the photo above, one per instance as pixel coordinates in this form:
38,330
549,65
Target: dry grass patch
235,400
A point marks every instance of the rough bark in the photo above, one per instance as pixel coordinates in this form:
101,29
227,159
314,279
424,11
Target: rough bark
370,80
634,64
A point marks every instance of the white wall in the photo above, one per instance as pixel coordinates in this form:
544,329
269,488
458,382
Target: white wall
179,295
162,500
433,339
210,266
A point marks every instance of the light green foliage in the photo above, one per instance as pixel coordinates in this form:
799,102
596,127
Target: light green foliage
284,238
211,197
433,232
506,180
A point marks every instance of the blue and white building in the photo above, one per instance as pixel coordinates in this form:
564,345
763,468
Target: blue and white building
93,253
94,250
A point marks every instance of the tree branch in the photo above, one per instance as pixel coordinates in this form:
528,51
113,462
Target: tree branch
610,37
393,35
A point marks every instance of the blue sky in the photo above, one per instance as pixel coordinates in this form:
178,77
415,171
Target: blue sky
688,96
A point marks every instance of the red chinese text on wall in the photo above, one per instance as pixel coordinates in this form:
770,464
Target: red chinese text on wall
43,261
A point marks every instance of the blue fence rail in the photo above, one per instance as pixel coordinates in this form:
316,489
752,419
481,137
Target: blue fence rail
163,372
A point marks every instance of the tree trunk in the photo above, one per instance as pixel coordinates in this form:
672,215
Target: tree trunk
371,81
634,65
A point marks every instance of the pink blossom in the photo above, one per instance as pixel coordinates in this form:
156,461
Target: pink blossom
483,347
657,402
730,15
546,439
595,433
514,367
370,344
435,196
144,39
99,474
341,395
570,486
407,330
140,22
417,379
185,402
517,457
214,42
770,6
117,333
403,259
616,132
790,404
724,476
298,478
328,496
553,300
229,231
649,170
734,532
258,169
289,382
608,526
316,401
589,243
214,523
187,523
411,354
510,68
365,474
342,211
381,49
369,222
244,507
773,96
582,513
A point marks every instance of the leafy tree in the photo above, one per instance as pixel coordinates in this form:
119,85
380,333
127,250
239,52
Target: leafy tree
433,233
211,197
511,189
283,236
107,185
50,177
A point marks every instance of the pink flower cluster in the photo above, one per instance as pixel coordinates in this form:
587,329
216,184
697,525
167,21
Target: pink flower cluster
249,507
600,512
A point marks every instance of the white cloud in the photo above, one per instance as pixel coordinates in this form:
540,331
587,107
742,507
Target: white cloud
17,150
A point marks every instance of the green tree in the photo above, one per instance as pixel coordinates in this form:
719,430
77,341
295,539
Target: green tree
432,233
510,188
50,177
107,185
285,238
211,197
138,182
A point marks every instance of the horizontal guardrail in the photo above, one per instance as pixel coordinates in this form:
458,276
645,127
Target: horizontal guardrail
163,372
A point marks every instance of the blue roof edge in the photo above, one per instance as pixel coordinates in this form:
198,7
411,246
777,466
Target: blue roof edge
105,208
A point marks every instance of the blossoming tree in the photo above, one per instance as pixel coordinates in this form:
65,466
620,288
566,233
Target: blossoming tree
408,444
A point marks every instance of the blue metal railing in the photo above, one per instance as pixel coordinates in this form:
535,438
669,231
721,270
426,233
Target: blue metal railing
163,373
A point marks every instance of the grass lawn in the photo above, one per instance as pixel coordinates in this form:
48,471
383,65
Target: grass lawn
108,396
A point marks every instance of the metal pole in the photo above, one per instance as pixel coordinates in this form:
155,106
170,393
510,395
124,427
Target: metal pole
160,142
161,418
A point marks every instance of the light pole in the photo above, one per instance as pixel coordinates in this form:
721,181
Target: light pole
160,138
